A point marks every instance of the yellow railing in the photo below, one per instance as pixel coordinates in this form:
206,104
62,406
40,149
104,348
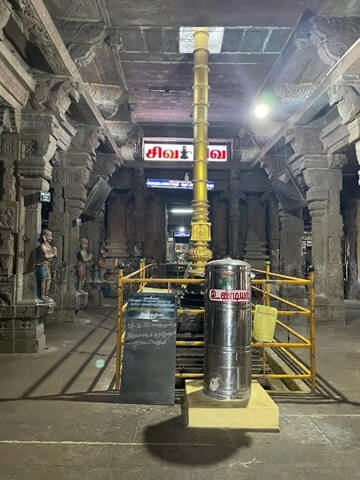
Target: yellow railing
270,278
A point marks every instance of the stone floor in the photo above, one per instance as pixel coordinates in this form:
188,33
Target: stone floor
59,421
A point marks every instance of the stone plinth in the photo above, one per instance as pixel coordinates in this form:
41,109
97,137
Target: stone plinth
261,412
22,327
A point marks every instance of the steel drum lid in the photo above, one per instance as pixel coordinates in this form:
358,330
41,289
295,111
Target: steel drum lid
228,261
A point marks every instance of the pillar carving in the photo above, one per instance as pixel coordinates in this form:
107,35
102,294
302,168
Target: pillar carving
345,129
352,228
5,13
324,182
9,154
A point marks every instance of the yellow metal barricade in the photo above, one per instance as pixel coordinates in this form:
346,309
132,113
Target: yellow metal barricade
299,371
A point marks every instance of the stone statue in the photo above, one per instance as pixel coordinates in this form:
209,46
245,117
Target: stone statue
101,262
84,260
45,254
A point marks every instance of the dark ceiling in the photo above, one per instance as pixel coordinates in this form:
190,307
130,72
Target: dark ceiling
138,50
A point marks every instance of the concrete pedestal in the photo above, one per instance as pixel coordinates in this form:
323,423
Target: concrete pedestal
260,413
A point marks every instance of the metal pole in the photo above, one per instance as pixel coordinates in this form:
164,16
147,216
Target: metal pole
267,285
119,328
200,254
312,331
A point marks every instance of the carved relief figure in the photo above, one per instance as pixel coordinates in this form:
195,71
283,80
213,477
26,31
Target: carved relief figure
84,260
45,255
7,218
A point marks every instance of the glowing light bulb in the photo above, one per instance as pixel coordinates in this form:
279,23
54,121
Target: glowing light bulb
261,110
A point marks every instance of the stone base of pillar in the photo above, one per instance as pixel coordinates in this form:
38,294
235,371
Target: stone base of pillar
255,254
22,327
95,294
329,311
116,251
65,315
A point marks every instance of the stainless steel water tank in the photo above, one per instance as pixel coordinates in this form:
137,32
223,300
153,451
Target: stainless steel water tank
227,360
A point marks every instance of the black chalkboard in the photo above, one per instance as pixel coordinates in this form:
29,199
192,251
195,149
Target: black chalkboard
149,358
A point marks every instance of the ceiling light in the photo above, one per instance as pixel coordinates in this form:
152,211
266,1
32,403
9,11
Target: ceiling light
181,211
261,110
181,229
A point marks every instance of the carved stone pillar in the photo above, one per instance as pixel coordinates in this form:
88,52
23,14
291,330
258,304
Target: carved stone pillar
352,229
139,189
116,222
155,236
324,180
234,224
291,254
9,154
291,235
220,247
322,175
35,170
274,234
256,244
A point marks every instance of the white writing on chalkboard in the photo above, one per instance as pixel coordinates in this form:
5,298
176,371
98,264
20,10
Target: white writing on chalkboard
141,335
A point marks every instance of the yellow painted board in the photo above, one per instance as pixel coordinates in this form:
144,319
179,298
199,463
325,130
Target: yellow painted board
260,413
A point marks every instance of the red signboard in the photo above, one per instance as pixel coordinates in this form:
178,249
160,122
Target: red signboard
183,152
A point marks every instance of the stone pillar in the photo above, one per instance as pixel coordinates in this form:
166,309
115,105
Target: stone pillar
291,236
116,226
274,234
234,224
139,213
35,170
352,228
9,154
291,252
256,244
220,244
321,173
155,235
323,176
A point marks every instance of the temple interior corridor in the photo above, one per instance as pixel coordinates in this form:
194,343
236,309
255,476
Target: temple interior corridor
179,239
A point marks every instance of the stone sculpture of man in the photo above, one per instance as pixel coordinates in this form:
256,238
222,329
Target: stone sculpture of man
46,253
84,259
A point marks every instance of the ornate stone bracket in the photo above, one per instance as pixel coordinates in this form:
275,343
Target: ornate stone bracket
333,36
39,34
292,96
82,39
108,98
346,97
5,13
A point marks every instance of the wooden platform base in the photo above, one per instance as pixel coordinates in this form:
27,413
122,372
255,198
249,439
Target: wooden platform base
261,412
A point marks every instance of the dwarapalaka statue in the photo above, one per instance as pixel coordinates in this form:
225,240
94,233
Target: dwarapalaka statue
84,260
45,255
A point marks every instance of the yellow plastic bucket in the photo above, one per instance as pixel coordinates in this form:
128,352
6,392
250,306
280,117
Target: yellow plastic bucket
264,323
